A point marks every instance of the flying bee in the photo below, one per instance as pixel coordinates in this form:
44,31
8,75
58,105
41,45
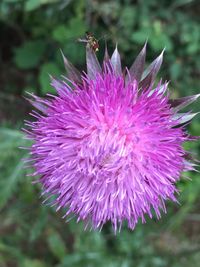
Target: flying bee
91,41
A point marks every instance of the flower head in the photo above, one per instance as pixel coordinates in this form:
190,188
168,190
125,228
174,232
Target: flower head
108,146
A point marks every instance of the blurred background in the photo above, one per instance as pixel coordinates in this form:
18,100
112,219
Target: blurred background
31,34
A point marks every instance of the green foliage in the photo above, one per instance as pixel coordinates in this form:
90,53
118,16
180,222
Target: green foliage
31,5
32,32
9,141
29,54
44,79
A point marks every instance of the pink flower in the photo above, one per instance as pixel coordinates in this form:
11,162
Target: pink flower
108,147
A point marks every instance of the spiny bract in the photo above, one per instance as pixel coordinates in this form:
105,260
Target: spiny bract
108,147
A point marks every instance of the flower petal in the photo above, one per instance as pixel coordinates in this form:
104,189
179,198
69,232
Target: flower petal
151,72
106,55
116,62
183,118
160,88
137,68
72,72
182,102
36,102
93,66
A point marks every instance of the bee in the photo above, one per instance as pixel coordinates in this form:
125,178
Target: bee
91,41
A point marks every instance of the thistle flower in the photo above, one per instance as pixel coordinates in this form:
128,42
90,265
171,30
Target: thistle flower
108,146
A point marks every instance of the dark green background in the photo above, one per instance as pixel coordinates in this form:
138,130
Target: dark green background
31,34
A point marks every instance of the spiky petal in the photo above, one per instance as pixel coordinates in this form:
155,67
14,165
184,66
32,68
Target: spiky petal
72,73
151,72
116,62
93,66
137,68
182,102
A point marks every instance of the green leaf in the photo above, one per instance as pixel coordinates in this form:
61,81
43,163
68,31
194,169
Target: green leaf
56,245
175,70
39,225
11,1
127,18
79,257
9,184
140,36
10,140
12,251
29,54
74,29
31,5
33,263
59,33
158,39
11,133
44,79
